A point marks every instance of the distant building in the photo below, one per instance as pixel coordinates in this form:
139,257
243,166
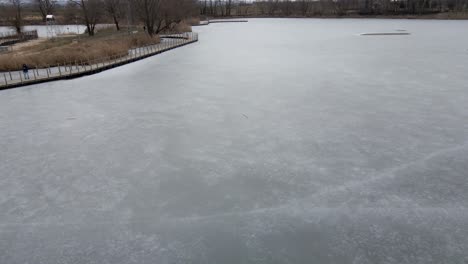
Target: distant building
50,18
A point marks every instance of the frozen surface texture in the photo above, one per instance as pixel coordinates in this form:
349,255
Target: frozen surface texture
273,141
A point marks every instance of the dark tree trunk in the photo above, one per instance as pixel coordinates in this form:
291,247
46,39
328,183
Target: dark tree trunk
116,22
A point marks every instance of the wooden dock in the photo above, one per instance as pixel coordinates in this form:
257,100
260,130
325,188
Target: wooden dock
207,22
228,21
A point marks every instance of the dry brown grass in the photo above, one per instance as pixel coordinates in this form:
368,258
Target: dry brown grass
183,26
68,51
193,21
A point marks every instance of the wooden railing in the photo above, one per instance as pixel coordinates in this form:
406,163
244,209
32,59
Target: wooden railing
10,38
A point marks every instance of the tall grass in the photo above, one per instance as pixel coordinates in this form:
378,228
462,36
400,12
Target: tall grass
68,51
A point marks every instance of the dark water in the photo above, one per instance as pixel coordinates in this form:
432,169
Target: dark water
273,141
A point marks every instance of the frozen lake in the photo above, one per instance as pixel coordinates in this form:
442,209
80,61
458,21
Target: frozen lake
273,141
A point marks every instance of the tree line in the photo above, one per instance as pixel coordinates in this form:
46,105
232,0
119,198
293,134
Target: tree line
154,15
304,8
160,15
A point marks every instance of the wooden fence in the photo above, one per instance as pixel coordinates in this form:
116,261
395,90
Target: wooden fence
10,38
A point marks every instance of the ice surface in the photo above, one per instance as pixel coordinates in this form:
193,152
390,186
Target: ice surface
273,141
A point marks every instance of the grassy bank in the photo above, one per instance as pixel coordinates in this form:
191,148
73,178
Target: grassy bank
71,49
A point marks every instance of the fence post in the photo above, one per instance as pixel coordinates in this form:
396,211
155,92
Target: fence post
11,78
4,76
34,73
21,77
48,70
60,71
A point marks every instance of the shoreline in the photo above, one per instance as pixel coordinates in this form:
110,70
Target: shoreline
66,72
436,16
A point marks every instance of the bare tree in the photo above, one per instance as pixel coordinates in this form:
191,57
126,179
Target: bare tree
149,12
14,14
46,7
304,6
70,13
91,11
115,9
228,5
286,7
272,6
261,6
173,12
219,6
203,5
212,7
243,8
